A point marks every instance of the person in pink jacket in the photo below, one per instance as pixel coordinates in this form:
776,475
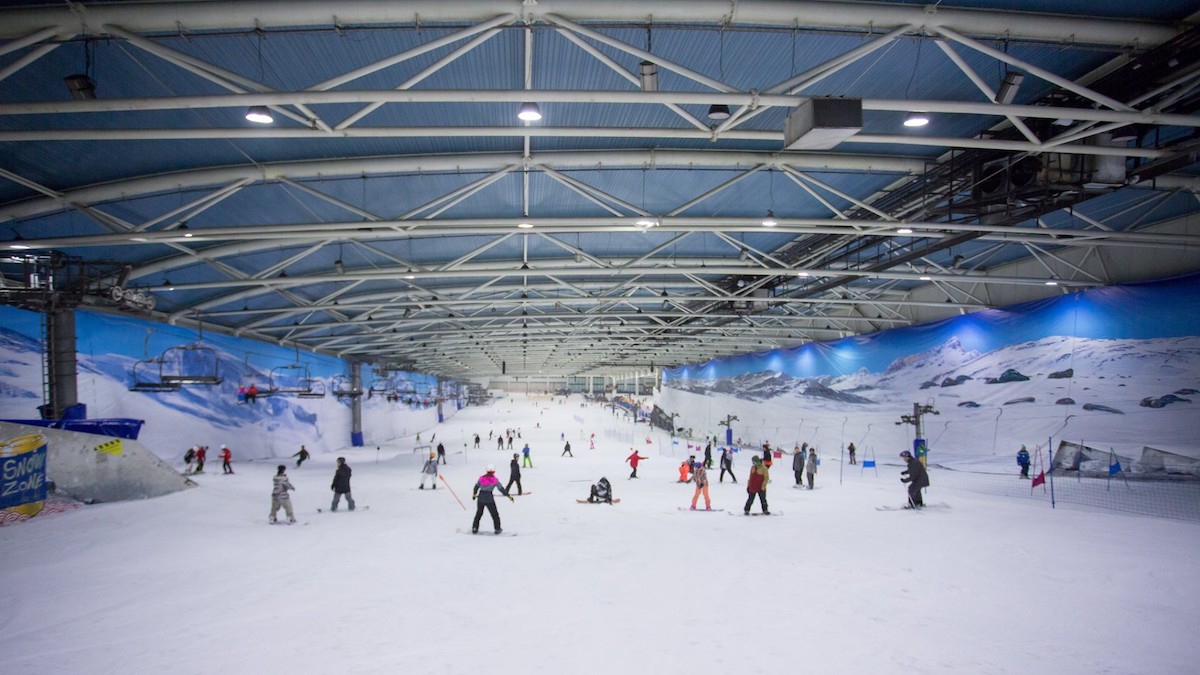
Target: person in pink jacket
484,499
633,461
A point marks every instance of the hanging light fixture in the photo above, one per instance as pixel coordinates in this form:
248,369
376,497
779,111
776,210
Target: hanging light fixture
770,221
718,111
259,114
529,112
1008,87
339,267
916,119
648,73
81,86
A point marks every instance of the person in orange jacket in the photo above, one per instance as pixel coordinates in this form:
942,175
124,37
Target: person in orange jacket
633,460
684,469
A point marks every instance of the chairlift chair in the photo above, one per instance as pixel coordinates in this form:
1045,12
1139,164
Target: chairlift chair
147,376
290,379
343,388
189,364
316,389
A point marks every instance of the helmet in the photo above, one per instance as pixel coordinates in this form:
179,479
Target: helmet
491,468
226,447
1022,446
906,454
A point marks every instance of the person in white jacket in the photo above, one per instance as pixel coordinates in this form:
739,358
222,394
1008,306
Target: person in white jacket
430,470
279,494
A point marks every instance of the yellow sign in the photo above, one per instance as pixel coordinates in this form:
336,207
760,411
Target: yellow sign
23,474
112,447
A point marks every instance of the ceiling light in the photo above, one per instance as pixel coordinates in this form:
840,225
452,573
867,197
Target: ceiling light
770,221
648,72
525,226
718,111
1008,88
259,114
578,257
925,278
339,267
81,86
19,247
916,119
801,274
743,255
904,230
1051,282
410,275
646,222
529,112
957,262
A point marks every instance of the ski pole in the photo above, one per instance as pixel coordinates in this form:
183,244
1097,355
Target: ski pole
464,506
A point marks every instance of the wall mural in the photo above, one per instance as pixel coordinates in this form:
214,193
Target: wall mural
191,389
1115,367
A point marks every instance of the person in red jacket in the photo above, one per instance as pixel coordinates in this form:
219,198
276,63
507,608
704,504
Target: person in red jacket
757,485
226,459
633,461
201,453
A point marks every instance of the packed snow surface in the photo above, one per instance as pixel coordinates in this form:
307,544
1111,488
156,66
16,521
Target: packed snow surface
198,582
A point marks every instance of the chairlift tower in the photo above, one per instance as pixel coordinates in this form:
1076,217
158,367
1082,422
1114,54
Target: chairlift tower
920,447
728,424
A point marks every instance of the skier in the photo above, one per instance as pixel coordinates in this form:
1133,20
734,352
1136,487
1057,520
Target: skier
633,461
727,464
226,459
510,439
810,467
514,475
526,460
1023,460
341,484
201,453
756,484
851,449
499,442
482,494
429,471
441,453
916,477
685,469
708,456
601,492
700,475
476,441
303,455
189,457
567,450
799,455
767,458
279,494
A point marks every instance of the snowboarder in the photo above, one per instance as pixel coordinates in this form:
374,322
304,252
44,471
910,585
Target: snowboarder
441,453
189,457
756,485
708,456
201,453
727,464
279,494
810,466
302,454
1023,460
851,449
499,442
526,460
429,471
484,499
916,477
341,484
514,475
226,459
567,450
510,439
476,441
799,455
700,475
601,492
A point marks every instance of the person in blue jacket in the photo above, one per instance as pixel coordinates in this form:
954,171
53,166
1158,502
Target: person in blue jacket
1023,460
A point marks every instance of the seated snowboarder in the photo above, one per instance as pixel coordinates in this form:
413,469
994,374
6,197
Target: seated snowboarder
601,492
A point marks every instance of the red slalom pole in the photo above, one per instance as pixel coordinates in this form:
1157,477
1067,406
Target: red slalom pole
452,492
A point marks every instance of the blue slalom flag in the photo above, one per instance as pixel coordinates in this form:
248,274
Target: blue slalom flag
1114,468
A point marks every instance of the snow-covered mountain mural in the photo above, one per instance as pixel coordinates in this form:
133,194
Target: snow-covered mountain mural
1116,367
117,353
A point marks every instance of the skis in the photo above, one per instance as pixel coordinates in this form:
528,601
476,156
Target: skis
773,513
486,532
284,522
909,508
523,494
697,510
584,501
359,508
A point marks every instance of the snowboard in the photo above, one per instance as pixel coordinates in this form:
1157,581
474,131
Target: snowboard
487,532
758,513
584,501
284,522
699,510
357,508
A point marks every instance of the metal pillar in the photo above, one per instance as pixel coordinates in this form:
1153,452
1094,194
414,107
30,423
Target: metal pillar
61,386
356,432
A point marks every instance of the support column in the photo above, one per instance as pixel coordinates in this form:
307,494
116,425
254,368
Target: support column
441,417
356,432
61,385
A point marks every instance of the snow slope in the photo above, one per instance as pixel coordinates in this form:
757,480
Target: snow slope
196,582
